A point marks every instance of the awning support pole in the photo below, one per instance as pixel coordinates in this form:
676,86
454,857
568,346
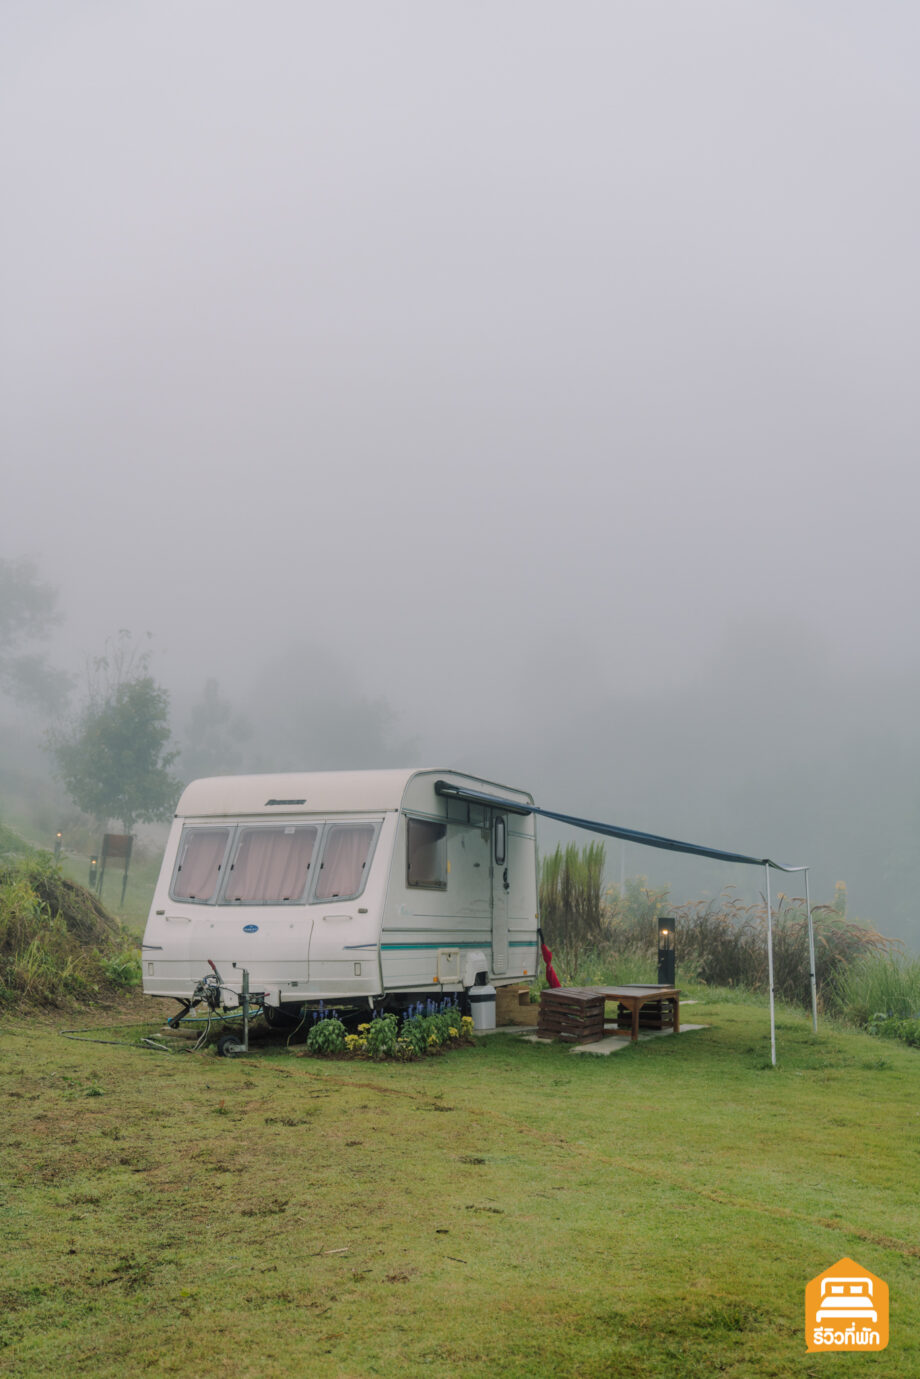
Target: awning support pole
766,872
811,959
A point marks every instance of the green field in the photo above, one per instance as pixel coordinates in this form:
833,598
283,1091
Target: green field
506,1210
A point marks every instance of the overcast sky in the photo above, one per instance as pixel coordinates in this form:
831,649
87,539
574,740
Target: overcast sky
519,358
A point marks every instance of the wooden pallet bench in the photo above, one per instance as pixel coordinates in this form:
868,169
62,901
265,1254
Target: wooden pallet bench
576,1014
652,1015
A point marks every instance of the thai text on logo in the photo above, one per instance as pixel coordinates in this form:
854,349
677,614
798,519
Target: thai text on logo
846,1308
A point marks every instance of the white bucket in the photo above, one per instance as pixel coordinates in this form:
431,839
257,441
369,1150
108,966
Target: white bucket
482,1007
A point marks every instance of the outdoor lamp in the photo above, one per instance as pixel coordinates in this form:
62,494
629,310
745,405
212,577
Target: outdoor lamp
666,954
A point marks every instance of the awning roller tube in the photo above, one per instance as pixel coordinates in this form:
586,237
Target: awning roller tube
629,835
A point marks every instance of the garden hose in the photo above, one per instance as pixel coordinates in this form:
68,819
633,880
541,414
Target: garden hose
152,1041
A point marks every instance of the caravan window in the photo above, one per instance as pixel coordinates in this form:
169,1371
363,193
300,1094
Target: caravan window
271,865
198,870
346,854
426,854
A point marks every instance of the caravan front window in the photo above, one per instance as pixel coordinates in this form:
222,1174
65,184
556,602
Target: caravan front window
271,866
198,870
346,853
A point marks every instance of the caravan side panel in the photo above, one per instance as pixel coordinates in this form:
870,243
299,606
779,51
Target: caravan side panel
469,902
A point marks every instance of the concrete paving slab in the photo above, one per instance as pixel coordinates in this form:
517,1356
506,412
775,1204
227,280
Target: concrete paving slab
614,1043
506,1029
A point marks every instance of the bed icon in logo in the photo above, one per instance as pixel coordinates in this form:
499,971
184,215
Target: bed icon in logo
846,1308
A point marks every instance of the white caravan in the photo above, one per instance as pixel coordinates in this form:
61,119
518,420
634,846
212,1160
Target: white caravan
349,887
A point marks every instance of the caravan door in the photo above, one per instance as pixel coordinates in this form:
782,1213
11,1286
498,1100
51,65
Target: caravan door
501,890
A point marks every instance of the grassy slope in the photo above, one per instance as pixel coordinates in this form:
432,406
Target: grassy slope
142,877
142,873
514,1210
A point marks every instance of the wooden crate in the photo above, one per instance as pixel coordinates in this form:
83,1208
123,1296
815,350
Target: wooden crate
653,1015
573,1014
513,1006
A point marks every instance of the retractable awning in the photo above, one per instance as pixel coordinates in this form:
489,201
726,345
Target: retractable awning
655,840
629,835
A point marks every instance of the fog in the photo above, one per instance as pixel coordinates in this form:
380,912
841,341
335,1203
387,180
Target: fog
515,386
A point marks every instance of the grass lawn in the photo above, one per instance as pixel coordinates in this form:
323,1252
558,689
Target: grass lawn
507,1210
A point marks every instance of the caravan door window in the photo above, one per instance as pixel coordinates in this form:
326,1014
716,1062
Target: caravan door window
500,840
426,854
271,866
198,870
346,854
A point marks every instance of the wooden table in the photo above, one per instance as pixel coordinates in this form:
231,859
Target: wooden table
634,998
576,1013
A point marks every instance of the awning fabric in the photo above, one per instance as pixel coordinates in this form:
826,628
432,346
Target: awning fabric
629,835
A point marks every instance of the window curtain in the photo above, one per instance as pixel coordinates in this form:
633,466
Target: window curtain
271,866
199,871
344,860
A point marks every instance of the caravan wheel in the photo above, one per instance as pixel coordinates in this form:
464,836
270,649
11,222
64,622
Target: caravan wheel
281,1018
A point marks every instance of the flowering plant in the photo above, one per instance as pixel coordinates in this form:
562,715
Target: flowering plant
426,1028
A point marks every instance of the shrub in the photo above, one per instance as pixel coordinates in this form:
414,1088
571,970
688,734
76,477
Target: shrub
887,1028
723,942
58,944
123,970
415,1034
878,984
327,1036
381,1037
727,943
571,912
435,1030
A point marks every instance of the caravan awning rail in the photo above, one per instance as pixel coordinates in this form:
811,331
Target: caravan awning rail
629,835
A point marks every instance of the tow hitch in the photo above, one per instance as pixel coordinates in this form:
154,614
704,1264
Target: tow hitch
228,1046
210,990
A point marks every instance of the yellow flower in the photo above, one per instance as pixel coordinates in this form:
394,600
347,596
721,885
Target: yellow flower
454,1033
363,1028
432,1039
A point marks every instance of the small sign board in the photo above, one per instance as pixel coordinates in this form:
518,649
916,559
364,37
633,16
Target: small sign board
117,847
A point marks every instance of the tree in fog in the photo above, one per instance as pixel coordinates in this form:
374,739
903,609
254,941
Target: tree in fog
215,736
28,616
114,756
309,714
